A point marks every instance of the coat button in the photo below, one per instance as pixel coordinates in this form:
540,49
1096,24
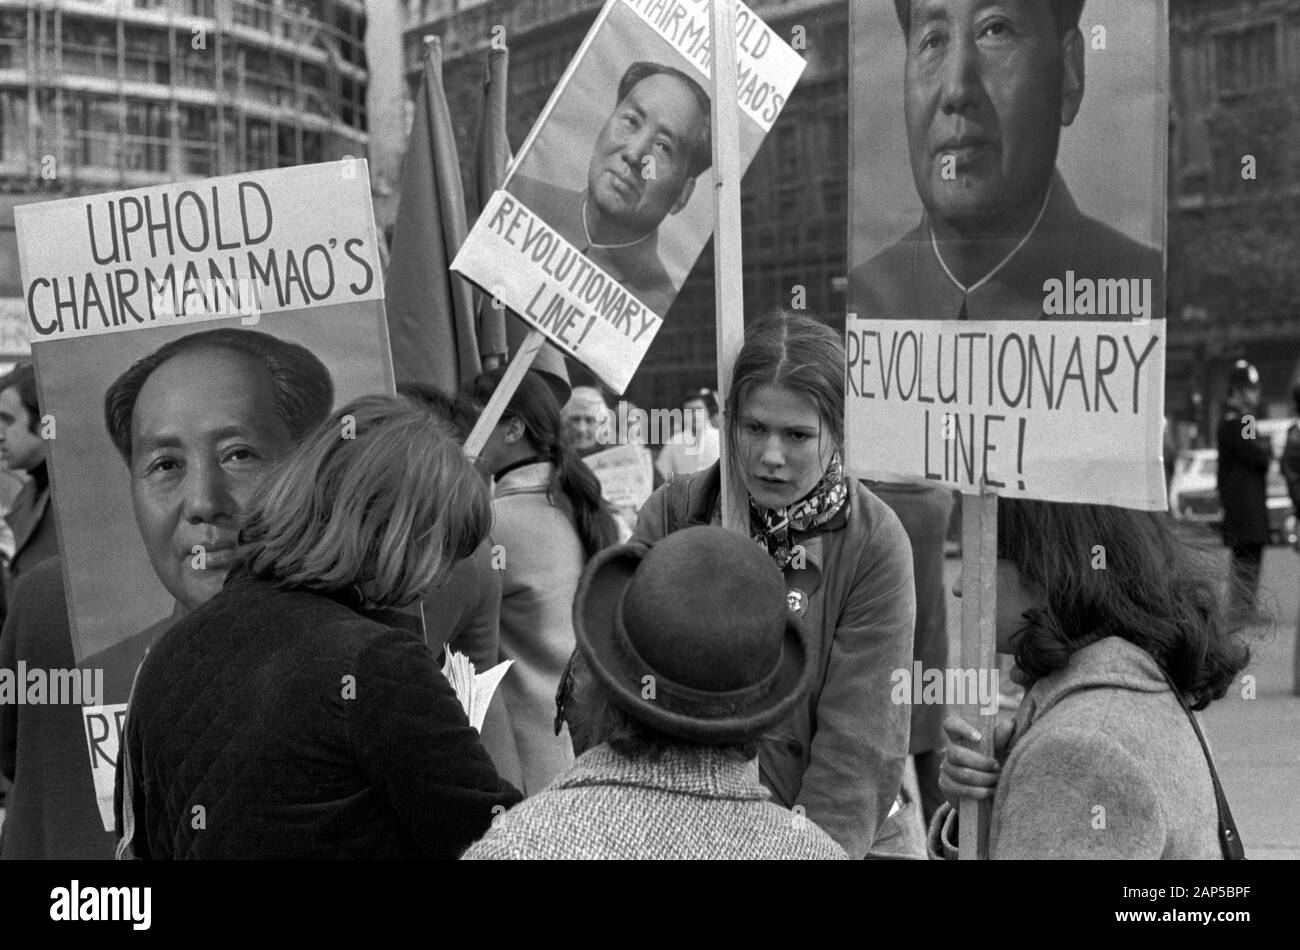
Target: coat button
794,747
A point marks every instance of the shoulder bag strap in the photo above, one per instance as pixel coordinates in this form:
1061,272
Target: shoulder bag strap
1229,839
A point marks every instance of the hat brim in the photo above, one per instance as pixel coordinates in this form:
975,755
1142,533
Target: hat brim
595,620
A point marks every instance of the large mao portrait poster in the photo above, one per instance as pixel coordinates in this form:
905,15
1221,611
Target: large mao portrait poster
1006,322
611,198
186,338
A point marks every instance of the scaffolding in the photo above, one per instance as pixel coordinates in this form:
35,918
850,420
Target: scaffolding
136,92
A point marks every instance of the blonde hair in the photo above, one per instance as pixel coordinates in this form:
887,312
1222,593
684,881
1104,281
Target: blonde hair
379,501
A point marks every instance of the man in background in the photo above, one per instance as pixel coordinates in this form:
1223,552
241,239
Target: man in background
30,518
697,445
587,423
23,450
1244,459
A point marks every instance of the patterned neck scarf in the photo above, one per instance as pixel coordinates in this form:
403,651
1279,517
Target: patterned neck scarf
780,529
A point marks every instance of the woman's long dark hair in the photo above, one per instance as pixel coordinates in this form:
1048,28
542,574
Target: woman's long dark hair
1106,571
574,488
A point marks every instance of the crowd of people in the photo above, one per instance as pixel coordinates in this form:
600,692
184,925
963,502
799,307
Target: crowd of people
679,691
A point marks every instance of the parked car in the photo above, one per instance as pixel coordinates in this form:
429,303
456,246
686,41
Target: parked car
1194,491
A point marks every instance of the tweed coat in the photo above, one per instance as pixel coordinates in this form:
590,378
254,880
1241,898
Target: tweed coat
689,803
1102,763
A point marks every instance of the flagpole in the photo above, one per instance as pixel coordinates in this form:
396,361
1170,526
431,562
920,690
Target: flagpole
728,271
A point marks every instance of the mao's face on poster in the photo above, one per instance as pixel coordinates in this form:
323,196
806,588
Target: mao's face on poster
658,119
988,86
204,433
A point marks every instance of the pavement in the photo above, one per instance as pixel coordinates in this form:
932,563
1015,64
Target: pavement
1256,741
1254,731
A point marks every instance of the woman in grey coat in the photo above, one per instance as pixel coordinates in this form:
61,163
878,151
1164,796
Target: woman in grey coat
1107,613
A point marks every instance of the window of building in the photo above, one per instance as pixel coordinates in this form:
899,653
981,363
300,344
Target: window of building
88,49
147,57
286,146
196,126
257,145
13,39
13,127
93,125
1246,60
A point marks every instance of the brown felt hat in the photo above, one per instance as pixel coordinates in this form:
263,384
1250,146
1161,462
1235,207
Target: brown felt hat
693,636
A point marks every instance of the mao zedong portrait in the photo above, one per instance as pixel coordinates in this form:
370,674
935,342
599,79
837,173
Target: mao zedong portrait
643,168
989,86
199,423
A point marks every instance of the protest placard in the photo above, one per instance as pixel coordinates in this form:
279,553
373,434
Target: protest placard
626,475
1006,316
1007,229
186,337
1058,411
591,244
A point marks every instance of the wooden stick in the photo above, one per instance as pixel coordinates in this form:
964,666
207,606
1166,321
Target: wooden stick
979,587
514,375
728,267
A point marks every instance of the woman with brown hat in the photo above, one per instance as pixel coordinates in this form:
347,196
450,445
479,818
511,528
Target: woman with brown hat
847,567
680,679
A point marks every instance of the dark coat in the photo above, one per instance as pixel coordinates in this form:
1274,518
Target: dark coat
52,810
1243,469
1290,465
278,723
31,519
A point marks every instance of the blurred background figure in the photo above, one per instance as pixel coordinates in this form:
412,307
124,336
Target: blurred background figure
697,445
1244,459
549,519
29,522
24,452
588,426
1291,472
291,680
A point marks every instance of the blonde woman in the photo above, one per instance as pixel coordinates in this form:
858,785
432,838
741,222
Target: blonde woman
284,718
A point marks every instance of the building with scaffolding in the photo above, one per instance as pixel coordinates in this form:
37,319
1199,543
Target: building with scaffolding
96,96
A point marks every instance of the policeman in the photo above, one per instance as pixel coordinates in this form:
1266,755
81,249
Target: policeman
1243,466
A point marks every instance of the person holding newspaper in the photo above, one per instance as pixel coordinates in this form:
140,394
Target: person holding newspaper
286,717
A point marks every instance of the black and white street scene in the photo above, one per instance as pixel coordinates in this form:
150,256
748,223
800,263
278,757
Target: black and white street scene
651,430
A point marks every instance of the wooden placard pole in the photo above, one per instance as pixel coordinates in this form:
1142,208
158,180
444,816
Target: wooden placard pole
728,271
979,587
514,375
